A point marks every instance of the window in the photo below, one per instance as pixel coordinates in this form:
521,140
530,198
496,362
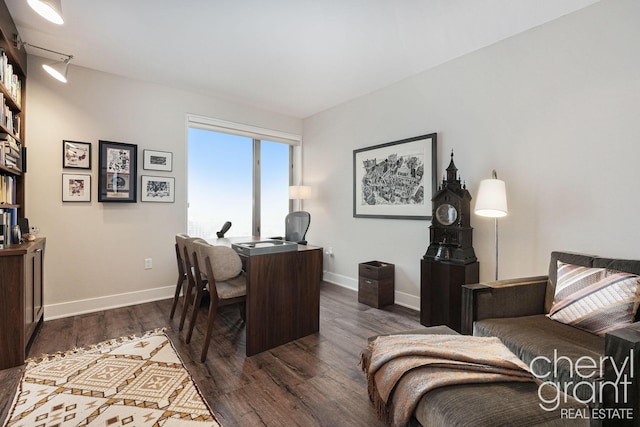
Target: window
240,177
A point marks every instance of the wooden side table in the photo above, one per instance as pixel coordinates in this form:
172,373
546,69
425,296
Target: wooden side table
376,283
441,291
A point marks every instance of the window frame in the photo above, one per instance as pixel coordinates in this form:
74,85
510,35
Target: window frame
257,134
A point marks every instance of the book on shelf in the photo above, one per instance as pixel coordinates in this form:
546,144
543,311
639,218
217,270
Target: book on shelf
10,120
9,79
3,229
7,190
10,140
10,152
8,218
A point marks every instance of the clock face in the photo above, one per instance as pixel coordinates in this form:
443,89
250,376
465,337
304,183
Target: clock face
446,214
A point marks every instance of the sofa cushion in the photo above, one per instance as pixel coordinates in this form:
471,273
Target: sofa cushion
626,265
559,345
597,300
497,404
566,257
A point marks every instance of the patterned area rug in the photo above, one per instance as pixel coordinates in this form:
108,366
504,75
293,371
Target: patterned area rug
126,381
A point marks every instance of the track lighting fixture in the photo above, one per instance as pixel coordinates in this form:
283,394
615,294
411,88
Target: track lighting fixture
57,70
51,10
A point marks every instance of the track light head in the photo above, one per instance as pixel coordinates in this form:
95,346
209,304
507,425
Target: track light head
58,70
51,10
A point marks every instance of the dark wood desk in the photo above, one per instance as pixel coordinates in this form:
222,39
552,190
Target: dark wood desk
283,295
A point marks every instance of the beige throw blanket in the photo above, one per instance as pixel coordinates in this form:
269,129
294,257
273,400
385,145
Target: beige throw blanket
402,368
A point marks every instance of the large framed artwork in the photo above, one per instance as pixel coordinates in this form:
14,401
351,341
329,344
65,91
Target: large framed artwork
396,179
118,172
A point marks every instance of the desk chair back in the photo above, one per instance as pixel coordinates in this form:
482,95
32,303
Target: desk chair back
182,274
224,263
296,226
188,258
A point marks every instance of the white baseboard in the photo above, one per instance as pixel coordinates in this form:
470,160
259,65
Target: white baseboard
340,280
90,305
407,300
401,298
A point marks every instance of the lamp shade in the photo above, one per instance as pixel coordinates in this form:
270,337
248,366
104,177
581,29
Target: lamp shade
51,10
492,199
58,70
299,192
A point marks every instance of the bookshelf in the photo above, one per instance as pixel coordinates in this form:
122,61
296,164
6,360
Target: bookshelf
13,73
21,264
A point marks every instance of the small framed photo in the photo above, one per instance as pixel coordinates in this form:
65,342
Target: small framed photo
76,188
118,172
157,189
76,154
157,160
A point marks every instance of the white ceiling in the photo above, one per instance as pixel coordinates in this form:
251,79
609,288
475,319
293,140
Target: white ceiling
296,57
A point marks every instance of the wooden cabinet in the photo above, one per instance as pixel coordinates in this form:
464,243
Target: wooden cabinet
21,304
441,291
376,285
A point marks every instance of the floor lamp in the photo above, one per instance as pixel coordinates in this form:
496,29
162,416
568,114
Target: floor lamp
492,203
299,192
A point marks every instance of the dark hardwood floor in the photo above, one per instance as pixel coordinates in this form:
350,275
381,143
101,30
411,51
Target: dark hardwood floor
314,381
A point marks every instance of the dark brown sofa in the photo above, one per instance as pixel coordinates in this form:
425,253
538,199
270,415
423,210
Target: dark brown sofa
514,310
500,404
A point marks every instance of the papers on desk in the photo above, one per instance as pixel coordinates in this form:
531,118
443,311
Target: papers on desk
264,247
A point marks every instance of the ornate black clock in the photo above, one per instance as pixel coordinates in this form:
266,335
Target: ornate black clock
450,260
450,232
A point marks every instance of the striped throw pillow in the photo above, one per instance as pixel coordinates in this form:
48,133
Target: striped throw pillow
597,300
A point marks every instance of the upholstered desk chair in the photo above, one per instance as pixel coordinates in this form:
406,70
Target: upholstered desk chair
227,285
182,274
189,257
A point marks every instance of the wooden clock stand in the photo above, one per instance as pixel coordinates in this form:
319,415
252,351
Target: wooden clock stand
450,260
441,291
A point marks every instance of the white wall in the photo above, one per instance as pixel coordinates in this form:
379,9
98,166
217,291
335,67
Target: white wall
95,251
554,110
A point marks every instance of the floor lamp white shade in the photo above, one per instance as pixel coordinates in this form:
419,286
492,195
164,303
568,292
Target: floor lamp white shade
491,202
299,192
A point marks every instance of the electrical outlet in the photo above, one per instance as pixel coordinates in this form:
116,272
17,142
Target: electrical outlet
148,263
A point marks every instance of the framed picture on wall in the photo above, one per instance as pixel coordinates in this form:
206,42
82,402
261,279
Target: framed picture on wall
157,189
157,160
76,188
76,154
396,179
118,172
